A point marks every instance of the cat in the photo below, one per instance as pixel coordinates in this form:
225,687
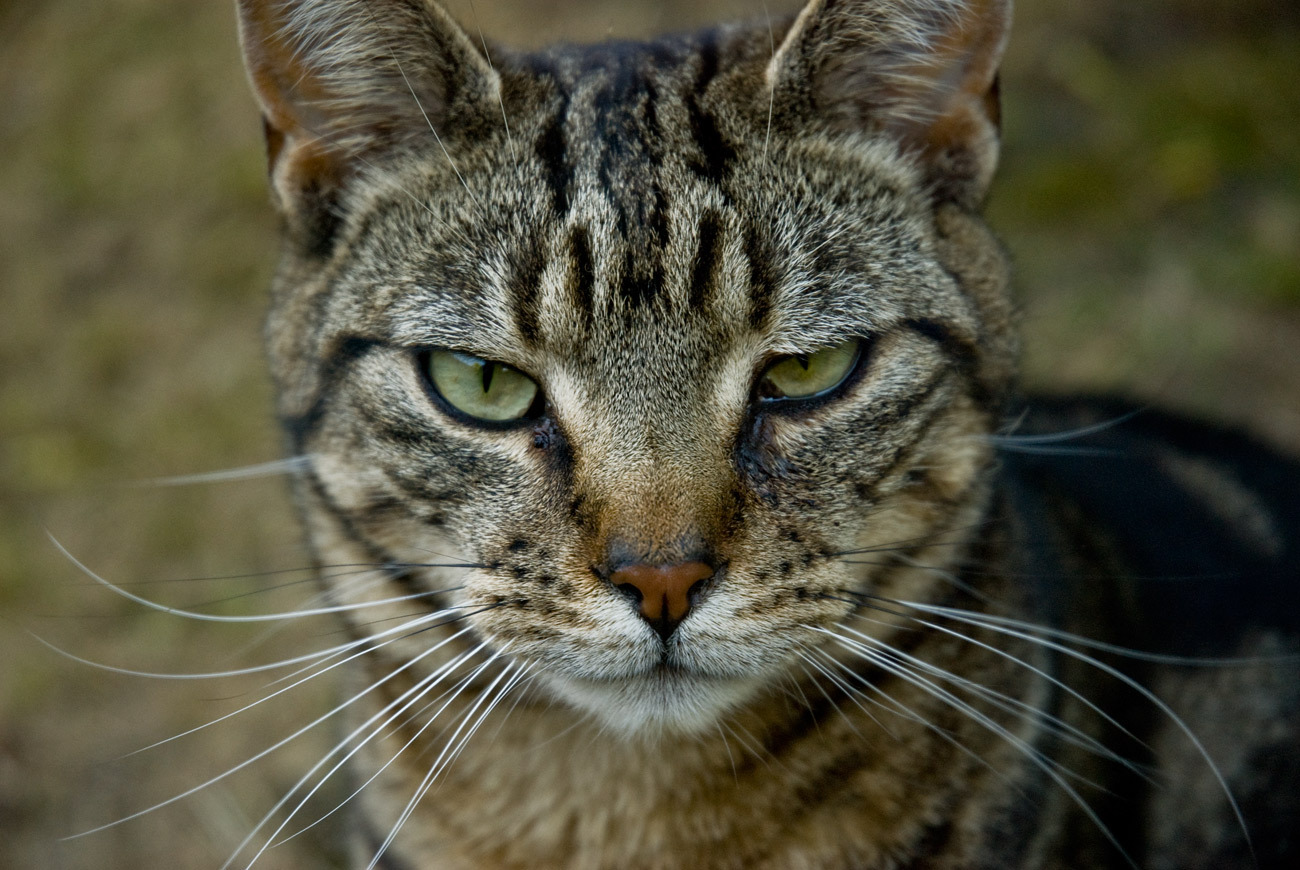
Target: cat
669,391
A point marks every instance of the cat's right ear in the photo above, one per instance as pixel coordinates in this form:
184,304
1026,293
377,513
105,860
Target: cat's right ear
342,82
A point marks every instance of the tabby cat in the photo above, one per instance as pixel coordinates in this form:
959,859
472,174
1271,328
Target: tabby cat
667,389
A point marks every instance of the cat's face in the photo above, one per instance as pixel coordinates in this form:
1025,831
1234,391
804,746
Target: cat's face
655,363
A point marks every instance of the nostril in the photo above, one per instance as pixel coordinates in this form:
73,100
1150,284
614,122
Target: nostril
663,594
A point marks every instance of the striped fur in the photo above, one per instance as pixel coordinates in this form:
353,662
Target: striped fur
643,228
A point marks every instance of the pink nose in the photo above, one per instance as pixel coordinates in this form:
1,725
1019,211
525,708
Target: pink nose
664,591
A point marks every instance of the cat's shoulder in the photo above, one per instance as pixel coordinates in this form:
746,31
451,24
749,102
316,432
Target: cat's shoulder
1204,516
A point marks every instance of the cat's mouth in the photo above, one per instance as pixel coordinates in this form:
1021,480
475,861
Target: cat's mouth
666,698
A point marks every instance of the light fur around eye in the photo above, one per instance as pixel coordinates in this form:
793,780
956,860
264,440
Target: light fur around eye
805,376
483,389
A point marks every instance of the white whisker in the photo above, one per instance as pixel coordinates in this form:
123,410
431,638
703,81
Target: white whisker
437,766
1012,440
901,709
260,755
248,472
1049,766
432,129
421,623
212,617
771,89
398,706
993,624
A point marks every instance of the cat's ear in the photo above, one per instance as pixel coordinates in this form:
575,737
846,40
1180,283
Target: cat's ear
342,81
923,71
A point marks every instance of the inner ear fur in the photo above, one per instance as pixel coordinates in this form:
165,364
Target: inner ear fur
340,82
923,72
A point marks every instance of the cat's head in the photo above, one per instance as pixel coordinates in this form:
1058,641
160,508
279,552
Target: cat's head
655,336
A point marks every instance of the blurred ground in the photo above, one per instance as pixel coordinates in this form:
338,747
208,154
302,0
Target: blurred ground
1150,193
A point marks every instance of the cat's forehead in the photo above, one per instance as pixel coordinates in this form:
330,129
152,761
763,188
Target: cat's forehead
630,205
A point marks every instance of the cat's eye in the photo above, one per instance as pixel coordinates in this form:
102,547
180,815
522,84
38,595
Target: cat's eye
481,388
804,376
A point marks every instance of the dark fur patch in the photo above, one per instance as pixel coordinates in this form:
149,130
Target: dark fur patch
1196,582
707,258
552,152
763,278
582,273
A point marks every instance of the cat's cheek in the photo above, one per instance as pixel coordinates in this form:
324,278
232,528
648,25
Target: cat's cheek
564,633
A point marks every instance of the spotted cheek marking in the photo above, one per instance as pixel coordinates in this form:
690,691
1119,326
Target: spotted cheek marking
529,585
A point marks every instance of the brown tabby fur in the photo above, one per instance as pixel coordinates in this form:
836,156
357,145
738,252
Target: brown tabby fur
643,229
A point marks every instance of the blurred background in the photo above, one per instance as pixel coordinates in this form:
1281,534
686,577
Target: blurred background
1150,192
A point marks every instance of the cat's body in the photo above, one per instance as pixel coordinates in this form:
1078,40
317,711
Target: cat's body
685,361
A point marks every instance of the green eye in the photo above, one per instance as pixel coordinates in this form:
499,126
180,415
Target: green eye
481,388
802,376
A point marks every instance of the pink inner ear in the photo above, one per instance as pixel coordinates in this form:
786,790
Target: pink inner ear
274,69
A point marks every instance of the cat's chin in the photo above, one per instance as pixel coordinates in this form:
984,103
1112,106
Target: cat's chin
663,701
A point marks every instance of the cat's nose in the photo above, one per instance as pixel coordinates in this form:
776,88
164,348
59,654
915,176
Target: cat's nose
664,593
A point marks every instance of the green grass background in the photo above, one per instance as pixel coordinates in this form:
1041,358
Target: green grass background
1150,192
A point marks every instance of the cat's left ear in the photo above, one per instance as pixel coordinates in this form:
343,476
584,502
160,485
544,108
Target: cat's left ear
922,71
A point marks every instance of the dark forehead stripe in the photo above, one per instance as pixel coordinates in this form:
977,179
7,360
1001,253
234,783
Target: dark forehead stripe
715,152
642,277
763,277
631,116
552,152
629,164
582,273
707,256
525,264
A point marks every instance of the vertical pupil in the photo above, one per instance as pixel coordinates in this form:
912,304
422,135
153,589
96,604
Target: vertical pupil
489,369
802,359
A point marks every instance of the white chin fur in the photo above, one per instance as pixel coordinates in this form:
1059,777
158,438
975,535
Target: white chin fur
654,703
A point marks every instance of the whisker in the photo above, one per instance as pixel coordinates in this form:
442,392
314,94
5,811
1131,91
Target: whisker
402,703
1047,450
1035,757
796,688
901,709
865,600
211,617
260,755
263,590
203,675
527,679
247,472
520,672
771,90
1019,708
905,544
306,679
993,624
429,121
989,620
437,766
314,573
947,576
751,744
851,693
1010,439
